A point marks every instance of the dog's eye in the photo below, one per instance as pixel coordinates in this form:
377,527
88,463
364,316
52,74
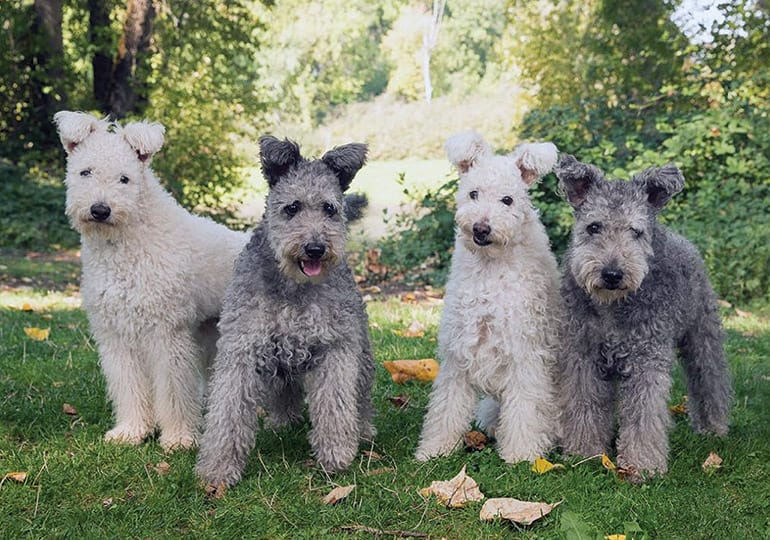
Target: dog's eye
594,228
473,194
85,172
637,232
292,209
124,179
507,200
330,209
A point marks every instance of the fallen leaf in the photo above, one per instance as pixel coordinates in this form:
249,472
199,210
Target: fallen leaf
216,492
523,512
475,440
542,465
106,503
416,329
742,313
712,463
454,493
162,468
69,409
16,476
403,370
400,402
724,303
26,307
381,470
371,455
338,493
615,537
680,408
373,264
38,334
409,298
607,463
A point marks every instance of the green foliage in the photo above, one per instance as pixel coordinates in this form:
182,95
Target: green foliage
33,210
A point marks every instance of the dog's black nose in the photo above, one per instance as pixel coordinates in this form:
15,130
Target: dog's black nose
612,277
315,251
481,230
100,211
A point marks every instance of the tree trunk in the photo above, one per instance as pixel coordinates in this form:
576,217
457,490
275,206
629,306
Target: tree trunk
48,93
101,63
127,90
429,41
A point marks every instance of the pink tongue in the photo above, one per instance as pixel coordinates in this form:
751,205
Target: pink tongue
311,268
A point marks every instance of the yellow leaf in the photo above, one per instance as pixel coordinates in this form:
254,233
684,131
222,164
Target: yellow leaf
615,537
338,493
26,307
424,370
456,492
416,329
541,465
607,463
16,476
523,512
38,334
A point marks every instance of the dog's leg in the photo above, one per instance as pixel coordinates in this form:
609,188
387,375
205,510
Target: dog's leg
178,370
129,389
709,389
449,415
365,405
231,420
526,426
643,416
333,405
587,402
488,416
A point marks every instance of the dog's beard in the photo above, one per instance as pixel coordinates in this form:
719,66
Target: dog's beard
297,266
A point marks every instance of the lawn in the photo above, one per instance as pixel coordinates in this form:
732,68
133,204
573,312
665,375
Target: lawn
53,414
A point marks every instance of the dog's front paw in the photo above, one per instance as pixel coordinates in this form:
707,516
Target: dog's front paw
178,441
637,473
126,434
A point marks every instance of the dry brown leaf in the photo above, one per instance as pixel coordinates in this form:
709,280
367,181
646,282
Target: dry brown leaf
37,334
742,313
680,408
381,470
338,493
454,493
69,409
373,264
16,476
416,329
409,298
712,463
403,370
371,455
216,492
162,468
475,440
523,512
400,402
724,303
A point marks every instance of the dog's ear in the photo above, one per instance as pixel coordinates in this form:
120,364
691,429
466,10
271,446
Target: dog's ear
345,161
576,178
74,127
464,149
146,138
277,157
534,160
660,184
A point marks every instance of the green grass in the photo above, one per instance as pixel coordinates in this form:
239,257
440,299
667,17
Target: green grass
79,487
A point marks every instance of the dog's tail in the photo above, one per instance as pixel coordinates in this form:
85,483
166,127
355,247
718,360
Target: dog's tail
354,206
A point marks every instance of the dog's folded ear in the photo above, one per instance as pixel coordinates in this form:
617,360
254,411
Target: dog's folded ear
146,138
345,161
660,184
464,149
74,127
277,157
576,178
534,160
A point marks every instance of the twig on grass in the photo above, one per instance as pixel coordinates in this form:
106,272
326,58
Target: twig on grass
380,532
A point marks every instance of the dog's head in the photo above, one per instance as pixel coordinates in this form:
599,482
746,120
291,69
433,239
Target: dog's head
493,204
107,170
615,222
305,208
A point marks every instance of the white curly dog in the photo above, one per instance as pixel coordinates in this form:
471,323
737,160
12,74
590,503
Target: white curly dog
153,279
502,310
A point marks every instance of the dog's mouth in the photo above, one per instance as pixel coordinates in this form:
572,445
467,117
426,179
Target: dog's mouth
311,267
481,240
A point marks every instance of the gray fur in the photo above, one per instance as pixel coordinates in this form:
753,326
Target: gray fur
286,335
635,293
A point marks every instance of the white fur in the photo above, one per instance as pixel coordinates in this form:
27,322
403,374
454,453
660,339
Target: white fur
153,280
502,311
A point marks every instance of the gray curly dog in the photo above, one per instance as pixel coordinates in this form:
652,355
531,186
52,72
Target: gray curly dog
293,322
635,293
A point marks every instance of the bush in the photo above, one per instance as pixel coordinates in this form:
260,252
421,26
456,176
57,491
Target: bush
33,210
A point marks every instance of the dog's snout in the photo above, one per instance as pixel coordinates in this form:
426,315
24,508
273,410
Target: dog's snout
481,230
612,277
100,211
315,251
